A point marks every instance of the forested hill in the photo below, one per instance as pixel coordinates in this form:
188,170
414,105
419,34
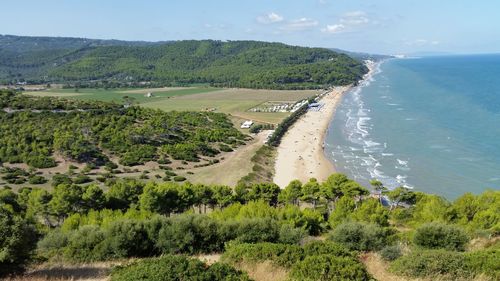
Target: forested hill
248,64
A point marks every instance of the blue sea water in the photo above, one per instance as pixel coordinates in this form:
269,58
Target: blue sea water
432,124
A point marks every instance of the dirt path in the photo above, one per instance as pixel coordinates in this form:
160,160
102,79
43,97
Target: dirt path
235,165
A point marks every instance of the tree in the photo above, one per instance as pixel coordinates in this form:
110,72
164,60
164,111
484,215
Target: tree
38,205
332,187
372,211
66,199
379,188
311,192
223,195
123,194
93,197
343,210
354,190
291,193
401,195
203,196
264,191
17,240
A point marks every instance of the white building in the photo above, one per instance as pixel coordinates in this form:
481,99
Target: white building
247,124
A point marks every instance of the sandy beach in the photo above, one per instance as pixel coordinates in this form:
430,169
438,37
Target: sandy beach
300,154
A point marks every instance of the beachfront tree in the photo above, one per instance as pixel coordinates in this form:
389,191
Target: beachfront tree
401,195
311,192
331,189
379,188
291,193
354,190
264,191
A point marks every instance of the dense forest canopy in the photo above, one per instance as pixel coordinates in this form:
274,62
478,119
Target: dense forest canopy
32,129
249,64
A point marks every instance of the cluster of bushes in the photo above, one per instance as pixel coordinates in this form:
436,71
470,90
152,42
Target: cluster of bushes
438,251
133,219
32,133
454,265
313,261
20,176
173,268
180,234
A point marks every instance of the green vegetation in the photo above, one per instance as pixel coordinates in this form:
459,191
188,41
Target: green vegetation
440,236
249,223
172,268
34,129
247,64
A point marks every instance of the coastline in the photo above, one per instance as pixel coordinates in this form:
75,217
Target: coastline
301,154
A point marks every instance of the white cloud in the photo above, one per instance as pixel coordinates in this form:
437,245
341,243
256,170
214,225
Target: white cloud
270,18
334,28
300,24
348,22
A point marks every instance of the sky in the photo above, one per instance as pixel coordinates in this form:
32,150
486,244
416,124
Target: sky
373,26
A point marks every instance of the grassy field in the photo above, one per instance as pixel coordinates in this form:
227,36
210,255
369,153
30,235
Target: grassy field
117,95
236,102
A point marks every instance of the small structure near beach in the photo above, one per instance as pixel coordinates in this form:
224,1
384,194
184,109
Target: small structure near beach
247,124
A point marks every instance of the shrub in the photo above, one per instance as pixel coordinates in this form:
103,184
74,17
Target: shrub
125,238
437,235
225,148
82,244
326,248
329,267
290,235
485,261
53,243
279,254
80,179
390,253
190,234
37,180
179,178
359,236
173,268
432,263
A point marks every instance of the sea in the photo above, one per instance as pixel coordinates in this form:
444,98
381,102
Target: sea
431,124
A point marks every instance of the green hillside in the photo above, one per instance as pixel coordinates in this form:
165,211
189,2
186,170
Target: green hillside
247,64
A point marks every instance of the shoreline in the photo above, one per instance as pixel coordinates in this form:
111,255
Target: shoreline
301,155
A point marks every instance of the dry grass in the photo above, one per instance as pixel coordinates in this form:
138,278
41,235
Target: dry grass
378,268
65,272
264,271
209,259
229,171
